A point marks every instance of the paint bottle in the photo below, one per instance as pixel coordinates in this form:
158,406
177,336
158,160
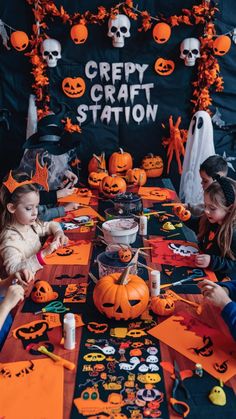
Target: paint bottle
154,283
198,370
143,225
69,331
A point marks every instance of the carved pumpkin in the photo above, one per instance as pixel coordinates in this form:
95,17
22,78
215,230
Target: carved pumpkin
161,32
95,179
125,254
182,213
42,292
97,163
79,33
162,305
19,40
73,87
164,67
120,162
111,186
136,176
221,45
153,165
121,296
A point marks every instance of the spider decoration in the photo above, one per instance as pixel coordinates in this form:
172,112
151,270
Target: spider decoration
175,143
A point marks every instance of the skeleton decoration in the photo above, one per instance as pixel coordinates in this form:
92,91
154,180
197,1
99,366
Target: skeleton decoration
3,34
190,51
51,51
118,30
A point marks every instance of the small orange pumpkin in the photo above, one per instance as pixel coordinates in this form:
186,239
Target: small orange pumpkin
182,213
162,305
136,176
97,163
164,67
111,186
161,32
42,292
95,179
73,87
19,40
79,33
121,296
221,45
153,165
125,254
120,162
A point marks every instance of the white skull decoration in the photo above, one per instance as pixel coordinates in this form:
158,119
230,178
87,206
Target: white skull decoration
190,50
51,51
118,30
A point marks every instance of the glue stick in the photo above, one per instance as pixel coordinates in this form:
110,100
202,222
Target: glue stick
69,331
143,225
154,283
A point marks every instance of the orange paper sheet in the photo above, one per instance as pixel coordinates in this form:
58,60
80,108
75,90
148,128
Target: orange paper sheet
76,197
175,334
76,253
31,391
157,194
78,213
173,252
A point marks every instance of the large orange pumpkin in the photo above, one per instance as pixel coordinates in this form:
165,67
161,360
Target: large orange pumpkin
221,45
73,87
153,165
95,179
19,40
121,296
97,163
162,305
136,176
120,162
161,32
111,186
79,33
164,67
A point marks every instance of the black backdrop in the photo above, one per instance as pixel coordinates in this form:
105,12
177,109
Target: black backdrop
172,93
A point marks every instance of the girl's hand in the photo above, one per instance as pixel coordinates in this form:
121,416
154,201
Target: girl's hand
49,249
15,293
60,239
202,261
71,206
71,176
22,278
216,294
68,190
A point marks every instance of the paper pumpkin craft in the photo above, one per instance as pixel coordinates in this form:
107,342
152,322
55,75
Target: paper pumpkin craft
36,393
90,403
76,293
198,342
173,252
77,197
157,194
164,67
73,87
32,332
75,253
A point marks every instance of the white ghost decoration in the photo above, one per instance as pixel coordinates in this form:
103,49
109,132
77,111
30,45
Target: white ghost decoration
199,147
190,51
118,30
51,51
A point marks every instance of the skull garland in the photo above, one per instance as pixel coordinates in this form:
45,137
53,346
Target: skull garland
190,51
51,51
118,30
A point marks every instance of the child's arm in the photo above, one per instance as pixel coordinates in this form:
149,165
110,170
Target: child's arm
23,278
53,228
71,177
15,293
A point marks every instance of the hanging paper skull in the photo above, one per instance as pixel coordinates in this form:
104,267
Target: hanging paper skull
51,51
118,30
190,51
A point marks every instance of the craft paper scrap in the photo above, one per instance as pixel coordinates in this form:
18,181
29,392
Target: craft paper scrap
197,342
77,197
31,389
157,194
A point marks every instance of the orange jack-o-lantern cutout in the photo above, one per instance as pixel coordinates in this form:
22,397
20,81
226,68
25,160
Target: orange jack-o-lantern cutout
79,33
19,40
153,165
221,45
97,163
32,330
42,292
121,296
164,67
162,305
136,176
125,254
120,162
111,186
73,87
95,179
64,251
182,213
161,194
161,32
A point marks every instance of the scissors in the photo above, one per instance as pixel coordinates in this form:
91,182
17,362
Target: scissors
53,307
197,274
180,407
